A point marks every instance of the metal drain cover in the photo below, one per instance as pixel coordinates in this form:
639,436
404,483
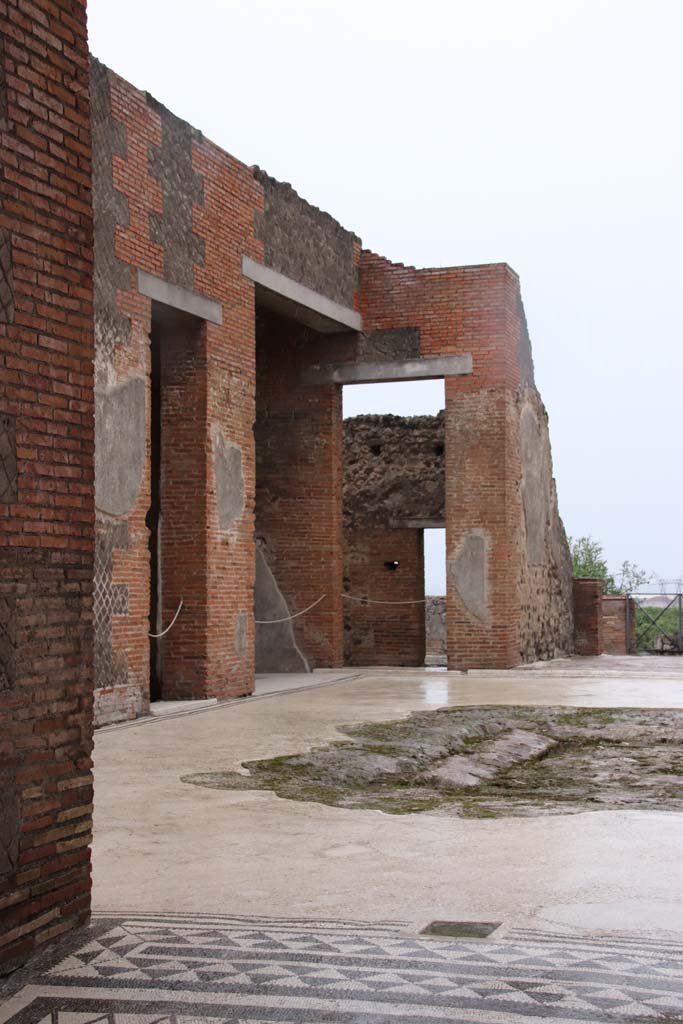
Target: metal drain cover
462,929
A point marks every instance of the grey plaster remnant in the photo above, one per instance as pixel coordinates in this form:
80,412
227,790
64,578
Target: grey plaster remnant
10,828
120,445
184,299
430,368
535,485
240,634
390,343
276,647
305,243
181,187
230,495
469,573
299,300
110,210
8,460
6,278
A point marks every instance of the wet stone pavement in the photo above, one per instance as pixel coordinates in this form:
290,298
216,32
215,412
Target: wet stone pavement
183,969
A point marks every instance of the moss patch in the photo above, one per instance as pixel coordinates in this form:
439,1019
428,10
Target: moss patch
598,759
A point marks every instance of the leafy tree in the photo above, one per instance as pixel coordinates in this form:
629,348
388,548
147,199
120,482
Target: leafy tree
588,559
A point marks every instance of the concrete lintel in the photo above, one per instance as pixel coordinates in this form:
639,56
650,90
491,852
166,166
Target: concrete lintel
430,368
292,299
179,298
417,524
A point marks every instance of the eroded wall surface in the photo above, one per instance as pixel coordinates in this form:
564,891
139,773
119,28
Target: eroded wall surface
46,474
393,469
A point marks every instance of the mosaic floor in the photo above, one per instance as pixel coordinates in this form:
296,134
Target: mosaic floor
189,970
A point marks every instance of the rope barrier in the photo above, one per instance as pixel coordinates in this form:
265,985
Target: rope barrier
288,618
368,600
112,515
158,636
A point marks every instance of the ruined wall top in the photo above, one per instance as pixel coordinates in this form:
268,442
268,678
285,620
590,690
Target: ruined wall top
393,469
305,243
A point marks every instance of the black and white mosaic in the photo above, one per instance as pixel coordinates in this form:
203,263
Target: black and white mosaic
202,970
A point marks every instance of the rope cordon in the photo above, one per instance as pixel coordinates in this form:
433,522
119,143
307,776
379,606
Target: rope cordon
288,618
158,636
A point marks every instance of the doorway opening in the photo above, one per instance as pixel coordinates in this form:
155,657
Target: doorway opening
394,472
174,518
436,647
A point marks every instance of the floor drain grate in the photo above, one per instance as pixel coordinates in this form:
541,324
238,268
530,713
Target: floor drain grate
462,929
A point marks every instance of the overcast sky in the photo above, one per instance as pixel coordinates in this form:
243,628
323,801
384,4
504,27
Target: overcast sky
541,133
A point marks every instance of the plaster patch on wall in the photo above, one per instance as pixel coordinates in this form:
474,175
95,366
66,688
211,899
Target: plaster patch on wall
230,492
240,634
120,445
468,571
276,646
535,484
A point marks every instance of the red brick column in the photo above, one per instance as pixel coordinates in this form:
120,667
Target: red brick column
588,636
476,310
618,634
46,473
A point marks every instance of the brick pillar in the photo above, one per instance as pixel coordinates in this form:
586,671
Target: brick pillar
588,616
46,474
299,483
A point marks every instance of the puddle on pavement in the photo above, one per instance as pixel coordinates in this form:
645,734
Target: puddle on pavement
486,762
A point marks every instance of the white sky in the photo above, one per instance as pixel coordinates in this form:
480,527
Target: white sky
542,133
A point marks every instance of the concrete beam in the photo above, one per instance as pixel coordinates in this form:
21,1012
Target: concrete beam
430,368
179,298
293,300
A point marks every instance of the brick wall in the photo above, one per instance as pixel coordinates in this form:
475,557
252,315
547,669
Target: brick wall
476,310
299,482
588,622
614,625
171,203
46,473
384,634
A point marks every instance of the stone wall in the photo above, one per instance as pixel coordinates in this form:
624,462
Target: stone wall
546,626
305,243
46,474
393,470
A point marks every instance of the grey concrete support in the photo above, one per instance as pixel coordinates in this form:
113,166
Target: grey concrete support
179,298
430,368
287,297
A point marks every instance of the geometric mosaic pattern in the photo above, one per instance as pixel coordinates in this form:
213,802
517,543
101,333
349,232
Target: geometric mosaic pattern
109,599
139,969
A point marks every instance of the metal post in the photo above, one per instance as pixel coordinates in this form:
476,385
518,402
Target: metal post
680,623
628,623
